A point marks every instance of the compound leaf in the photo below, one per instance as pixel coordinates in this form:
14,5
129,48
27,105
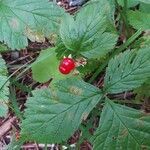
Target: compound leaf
123,128
53,115
20,17
86,35
127,71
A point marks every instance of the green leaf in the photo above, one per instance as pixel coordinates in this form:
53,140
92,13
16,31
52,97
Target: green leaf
145,1
112,9
139,19
142,93
127,71
61,49
52,116
77,33
130,3
4,91
3,48
102,44
20,17
89,68
145,7
84,34
123,128
46,66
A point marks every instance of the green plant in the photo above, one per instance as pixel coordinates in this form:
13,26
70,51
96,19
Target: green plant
55,113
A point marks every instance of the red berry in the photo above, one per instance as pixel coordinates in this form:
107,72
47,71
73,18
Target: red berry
66,65
63,70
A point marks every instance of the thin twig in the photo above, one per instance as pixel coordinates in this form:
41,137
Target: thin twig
6,126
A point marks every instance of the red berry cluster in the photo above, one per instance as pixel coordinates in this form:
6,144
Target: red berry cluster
66,65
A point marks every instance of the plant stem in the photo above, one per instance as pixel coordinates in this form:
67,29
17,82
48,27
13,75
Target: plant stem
127,102
125,18
15,106
23,66
116,51
45,147
123,14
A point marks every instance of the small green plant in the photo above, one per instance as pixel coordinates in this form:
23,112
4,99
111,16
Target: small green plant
90,37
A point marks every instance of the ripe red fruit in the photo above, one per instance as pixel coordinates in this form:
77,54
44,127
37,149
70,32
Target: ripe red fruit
66,65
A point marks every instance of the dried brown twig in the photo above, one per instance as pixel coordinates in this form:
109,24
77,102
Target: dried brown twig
6,126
